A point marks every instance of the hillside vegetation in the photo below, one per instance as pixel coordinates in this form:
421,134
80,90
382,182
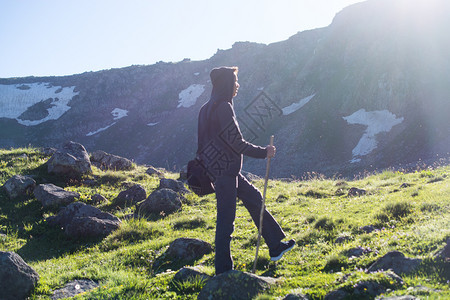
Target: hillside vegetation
409,211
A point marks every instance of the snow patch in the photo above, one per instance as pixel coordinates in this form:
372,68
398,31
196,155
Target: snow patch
196,73
100,130
297,105
152,124
15,99
117,113
188,97
376,122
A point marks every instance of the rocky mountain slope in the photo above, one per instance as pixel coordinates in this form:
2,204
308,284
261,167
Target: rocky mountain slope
369,91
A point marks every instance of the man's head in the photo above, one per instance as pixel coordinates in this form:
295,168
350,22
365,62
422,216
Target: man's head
224,81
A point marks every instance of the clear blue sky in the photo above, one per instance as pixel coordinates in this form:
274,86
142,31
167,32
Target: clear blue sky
57,37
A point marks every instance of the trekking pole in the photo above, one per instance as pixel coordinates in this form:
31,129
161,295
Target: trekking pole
261,215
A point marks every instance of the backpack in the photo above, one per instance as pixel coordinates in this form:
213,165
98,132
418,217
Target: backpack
198,179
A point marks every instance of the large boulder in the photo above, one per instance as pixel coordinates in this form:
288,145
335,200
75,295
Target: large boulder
235,285
397,262
51,195
82,220
106,161
187,249
17,279
163,201
131,196
19,185
72,160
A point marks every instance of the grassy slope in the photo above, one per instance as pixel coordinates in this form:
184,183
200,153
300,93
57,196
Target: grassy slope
414,220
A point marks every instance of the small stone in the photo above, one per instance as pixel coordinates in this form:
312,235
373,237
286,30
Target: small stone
356,192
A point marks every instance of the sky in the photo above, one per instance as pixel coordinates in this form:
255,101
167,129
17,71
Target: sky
64,37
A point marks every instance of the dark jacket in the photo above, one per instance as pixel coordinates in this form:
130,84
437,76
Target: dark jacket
220,142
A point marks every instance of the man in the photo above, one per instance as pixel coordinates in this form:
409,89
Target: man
221,148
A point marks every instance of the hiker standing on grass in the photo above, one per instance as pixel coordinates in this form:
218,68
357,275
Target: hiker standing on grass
221,147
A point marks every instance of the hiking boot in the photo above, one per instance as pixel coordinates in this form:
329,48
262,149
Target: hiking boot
282,248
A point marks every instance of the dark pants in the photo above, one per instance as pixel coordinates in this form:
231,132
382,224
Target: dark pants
227,188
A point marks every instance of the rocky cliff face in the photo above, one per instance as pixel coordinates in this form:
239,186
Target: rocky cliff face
369,91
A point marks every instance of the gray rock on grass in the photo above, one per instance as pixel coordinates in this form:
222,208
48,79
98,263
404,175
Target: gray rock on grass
397,262
162,201
73,288
17,278
51,195
72,161
153,171
172,184
444,253
19,185
352,192
187,249
295,297
82,220
106,161
190,273
235,285
131,196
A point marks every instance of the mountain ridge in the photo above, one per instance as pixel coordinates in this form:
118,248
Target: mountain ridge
390,64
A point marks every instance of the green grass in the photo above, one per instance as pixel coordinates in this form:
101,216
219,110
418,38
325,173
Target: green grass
129,263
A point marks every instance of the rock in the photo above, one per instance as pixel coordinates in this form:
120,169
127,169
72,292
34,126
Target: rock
190,273
357,252
295,297
70,161
17,279
368,288
79,219
356,192
342,239
98,199
90,227
73,288
367,228
19,185
250,176
404,297
51,195
397,262
106,161
338,294
405,185
187,249
183,174
174,185
131,196
163,201
235,285
48,151
153,171
445,252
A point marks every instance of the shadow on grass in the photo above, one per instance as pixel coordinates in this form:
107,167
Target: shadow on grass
51,242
